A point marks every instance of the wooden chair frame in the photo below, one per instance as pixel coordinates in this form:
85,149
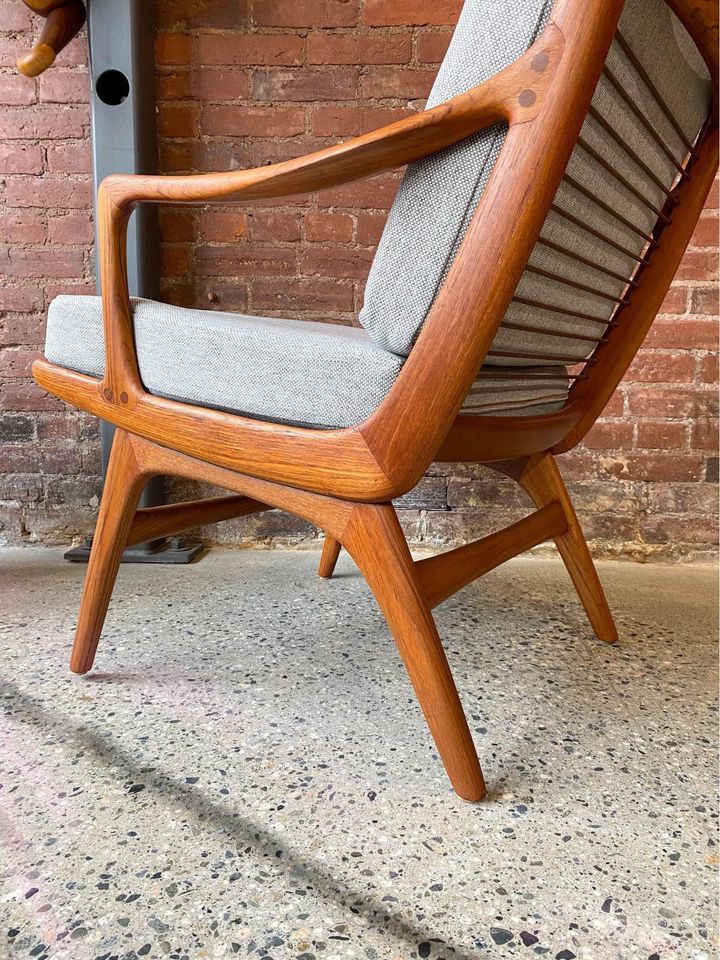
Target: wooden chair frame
344,480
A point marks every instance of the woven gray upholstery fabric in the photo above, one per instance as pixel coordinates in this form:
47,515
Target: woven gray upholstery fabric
289,371
438,195
517,391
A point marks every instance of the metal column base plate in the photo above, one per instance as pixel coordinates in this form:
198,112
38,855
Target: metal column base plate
175,550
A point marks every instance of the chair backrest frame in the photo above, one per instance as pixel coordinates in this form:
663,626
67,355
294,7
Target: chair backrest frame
419,421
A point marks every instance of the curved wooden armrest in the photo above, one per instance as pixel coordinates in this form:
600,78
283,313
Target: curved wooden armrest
514,95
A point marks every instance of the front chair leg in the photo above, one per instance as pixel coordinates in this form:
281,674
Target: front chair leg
542,481
374,538
329,557
124,483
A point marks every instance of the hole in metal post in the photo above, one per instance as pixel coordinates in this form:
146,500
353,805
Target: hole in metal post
112,87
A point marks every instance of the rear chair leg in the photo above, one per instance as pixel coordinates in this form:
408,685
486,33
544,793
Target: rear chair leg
374,539
123,485
328,558
541,480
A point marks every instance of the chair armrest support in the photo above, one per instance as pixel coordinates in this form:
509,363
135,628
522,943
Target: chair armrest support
515,95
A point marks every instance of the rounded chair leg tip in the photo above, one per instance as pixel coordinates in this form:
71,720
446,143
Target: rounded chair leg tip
80,666
473,796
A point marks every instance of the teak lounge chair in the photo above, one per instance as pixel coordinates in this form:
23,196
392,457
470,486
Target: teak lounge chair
554,182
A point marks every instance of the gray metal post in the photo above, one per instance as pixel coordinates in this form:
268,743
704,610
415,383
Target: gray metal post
121,35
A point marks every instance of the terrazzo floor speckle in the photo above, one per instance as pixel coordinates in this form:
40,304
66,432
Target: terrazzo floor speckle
246,773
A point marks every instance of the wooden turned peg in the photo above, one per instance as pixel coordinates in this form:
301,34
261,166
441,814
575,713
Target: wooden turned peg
63,21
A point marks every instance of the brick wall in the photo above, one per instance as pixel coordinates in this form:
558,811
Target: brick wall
247,83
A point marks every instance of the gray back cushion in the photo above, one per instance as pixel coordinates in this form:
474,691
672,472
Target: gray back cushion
438,195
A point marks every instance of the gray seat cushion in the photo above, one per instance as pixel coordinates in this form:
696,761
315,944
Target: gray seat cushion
290,371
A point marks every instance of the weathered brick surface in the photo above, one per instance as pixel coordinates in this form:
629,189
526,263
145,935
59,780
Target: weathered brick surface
245,83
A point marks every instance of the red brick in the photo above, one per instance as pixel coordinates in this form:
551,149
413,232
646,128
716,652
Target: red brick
72,156
705,300
20,329
709,369
20,298
698,265
398,83
376,194
177,119
688,498
71,229
432,46
317,295
64,86
16,89
306,13
335,262
11,48
26,395
44,121
175,260
177,225
182,14
225,83
704,435
236,261
76,288
661,435
310,85
57,458
48,192
263,49
375,47
20,226
660,401
274,225
615,405
209,84
246,121
713,199
177,49
706,232
223,226
20,158
14,16
17,363
263,152
676,300
328,227
42,262
394,13
610,436
661,368
370,227
679,530
687,334
350,121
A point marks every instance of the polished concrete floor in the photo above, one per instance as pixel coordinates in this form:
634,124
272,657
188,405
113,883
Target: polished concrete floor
247,773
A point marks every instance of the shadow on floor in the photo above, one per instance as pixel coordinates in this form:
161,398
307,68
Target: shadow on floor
245,832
